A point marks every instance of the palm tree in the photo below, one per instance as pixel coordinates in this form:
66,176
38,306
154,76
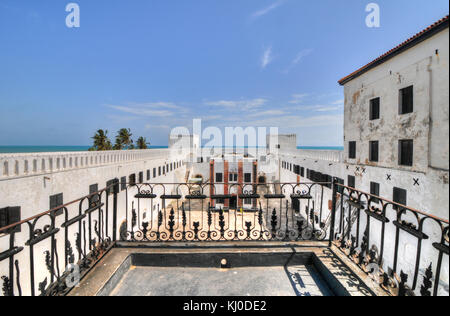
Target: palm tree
142,143
123,139
101,141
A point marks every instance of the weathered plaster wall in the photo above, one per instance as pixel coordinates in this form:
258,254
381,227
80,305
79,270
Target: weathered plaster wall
424,66
430,196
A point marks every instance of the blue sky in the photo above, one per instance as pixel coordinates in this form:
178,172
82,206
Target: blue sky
151,65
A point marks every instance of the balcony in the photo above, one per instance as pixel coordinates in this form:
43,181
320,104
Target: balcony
188,239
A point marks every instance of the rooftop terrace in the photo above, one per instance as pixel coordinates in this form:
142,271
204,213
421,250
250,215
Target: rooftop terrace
179,242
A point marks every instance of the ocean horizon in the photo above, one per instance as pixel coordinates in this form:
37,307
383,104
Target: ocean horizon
41,149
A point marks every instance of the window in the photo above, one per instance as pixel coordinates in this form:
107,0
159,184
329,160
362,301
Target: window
8,216
154,172
373,151
148,174
233,177
219,177
247,177
317,176
164,169
159,171
329,180
93,188
123,183
351,182
405,152
399,196
109,186
302,171
55,201
141,177
406,100
374,109
340,189
132,179
375,190
352,150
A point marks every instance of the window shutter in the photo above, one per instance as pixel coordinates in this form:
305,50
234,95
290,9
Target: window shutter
400,196
14,217
123,183
4,217
92,189
375,190
351,182
55,201
10,215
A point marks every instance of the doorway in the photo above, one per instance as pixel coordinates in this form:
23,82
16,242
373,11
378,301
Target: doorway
233,202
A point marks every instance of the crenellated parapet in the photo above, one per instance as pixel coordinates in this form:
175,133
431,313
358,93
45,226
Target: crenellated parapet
31,164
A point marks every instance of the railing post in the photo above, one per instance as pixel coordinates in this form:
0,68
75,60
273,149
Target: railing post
333,212
115,192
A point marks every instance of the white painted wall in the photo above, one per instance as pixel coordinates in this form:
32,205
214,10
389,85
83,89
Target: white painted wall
30,189
431,196
428,72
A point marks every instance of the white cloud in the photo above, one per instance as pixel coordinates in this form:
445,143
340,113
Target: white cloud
338,102
327,108
157,105
302,54
159,109
316,108
267,9
244,105
295,121
223,103
152,126
268,113
298,98
267,57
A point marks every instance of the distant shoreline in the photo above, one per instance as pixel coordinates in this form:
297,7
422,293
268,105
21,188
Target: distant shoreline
42,149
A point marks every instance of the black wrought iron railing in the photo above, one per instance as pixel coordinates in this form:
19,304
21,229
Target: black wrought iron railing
403,249
204,212
50,252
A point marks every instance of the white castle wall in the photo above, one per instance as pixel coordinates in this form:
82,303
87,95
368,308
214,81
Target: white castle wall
28,180
71,174
425,67
430,196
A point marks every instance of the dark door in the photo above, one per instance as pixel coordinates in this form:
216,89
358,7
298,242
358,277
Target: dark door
233,202
296,205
